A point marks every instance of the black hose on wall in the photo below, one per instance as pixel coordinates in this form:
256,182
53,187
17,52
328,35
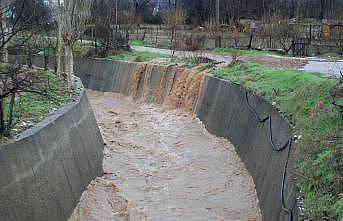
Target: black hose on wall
288,145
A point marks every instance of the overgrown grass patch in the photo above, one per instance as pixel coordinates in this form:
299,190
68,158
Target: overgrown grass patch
31,108
142,43
307,98
138,56
336,58
148,44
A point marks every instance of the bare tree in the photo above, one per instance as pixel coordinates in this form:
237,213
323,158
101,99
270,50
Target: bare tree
16,80
73,17
22,17
35,17
139,7
210,25
280,29
4,28
337,37
104,16
173,18
13,80
8,31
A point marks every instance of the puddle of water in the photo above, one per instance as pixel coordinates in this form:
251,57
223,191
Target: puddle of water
163,165
328,69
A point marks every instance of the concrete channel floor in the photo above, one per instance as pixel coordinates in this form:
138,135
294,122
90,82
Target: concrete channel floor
163,165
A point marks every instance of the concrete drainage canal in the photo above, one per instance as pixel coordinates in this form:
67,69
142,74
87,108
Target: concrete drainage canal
182,145
163,165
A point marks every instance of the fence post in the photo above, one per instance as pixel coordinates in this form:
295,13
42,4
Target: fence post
310,33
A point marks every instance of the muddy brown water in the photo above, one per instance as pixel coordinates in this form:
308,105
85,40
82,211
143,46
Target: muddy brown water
162,165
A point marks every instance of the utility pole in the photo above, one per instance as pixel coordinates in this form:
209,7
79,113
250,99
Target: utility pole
218,41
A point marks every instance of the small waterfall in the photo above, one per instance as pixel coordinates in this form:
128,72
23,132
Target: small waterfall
147,81
159,95
136,79
174,87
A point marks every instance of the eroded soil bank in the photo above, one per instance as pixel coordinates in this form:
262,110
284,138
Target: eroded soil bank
163,165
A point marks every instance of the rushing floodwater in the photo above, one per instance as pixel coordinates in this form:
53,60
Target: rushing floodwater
164,166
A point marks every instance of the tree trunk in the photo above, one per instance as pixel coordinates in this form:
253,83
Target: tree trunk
96,44
323,6
69,64
10,116
127,35
250,40
59,52
5,53
156,41
29,57
2,121
172,37
4,48
143,37
59,45
46,60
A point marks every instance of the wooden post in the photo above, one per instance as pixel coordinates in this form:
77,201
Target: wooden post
310,40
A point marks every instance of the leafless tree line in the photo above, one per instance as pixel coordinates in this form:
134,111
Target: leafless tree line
231,10
23,25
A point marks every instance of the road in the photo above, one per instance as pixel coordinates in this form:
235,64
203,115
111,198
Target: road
163,165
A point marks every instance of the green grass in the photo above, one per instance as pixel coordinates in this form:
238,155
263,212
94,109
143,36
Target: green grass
148,44
207,67
246,52
336,58
83,45
138,56
142,43
307,100
49,51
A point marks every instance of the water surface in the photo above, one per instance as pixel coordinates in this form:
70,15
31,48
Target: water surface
163,165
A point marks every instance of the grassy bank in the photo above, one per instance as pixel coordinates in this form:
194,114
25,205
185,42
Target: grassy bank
138,56
307,98
34,107
31,108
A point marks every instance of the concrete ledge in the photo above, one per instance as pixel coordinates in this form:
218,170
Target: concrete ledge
45,169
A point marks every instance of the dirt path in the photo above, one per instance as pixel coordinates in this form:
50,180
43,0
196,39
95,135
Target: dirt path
162,166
